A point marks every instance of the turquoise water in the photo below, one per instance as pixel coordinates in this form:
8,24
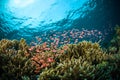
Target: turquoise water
91,20
48,27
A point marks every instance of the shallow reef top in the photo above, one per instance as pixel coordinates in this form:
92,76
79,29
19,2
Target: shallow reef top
83,60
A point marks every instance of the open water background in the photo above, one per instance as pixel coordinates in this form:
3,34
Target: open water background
42,17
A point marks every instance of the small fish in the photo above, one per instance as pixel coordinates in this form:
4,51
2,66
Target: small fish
44,45
38,50
47,49
54,50
50,60
31,48
65,47
80,36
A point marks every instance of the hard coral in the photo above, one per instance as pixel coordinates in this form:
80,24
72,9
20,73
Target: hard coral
13,59
73,69
84,60
43,57
114,46
90,51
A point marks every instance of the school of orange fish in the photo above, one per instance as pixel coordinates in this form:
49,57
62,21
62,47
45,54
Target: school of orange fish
52,41
68,37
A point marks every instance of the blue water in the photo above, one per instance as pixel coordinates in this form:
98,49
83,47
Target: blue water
44,18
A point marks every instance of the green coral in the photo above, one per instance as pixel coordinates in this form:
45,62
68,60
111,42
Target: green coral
82,61
85,61
114,49
114,46
13,61
69,70
88,50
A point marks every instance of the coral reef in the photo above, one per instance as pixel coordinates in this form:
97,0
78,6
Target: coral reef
90,51
114,46
14,60
84,60
44,56
46,61
73,69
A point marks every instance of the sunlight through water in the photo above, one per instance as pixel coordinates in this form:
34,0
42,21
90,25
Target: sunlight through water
21,3
47,10
30,18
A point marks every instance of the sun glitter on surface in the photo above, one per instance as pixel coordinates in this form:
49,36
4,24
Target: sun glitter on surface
21,3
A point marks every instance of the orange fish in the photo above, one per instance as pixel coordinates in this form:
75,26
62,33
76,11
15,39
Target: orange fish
50,60
54,50
44,44
31,48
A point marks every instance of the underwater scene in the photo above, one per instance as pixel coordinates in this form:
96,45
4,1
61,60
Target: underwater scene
59,40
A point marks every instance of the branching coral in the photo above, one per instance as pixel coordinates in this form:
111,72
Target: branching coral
76,69
13,59
41,61
84,60
44,56
68,70
90,51
115,42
